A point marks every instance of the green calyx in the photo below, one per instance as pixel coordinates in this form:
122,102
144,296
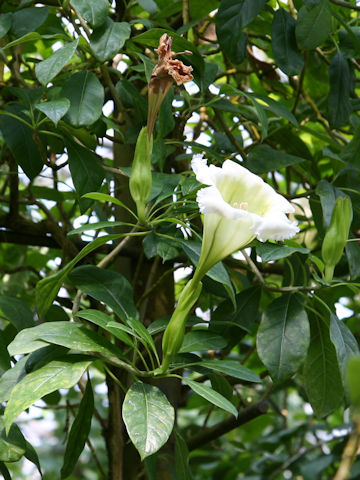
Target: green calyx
141,178
336,236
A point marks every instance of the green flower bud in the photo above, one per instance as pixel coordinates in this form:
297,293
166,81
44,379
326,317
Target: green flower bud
141,178
174,334
336,235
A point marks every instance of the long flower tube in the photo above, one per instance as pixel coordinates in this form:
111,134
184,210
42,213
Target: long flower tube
237,207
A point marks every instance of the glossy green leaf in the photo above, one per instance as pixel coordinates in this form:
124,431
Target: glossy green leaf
275,107
108,287
339,106
5,23
148,5
232,17
4,354
107,40
57,374
263,159
86,171
321,373
201,340
211,396
93,11
233,368
17,312
270,251
313,25
283,337
217,273
182,468
79,432
48,69
4,471
29,37
67,334
327,194
28,20
353,380
10,378
104,321
343,340
286,53
86,96
19,138
47,288
148,416
55,109
12,445
32,456
352,250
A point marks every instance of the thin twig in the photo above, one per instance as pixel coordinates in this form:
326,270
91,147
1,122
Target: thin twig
253,267
106,260
345,4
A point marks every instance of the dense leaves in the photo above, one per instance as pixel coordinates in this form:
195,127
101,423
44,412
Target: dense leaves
267,355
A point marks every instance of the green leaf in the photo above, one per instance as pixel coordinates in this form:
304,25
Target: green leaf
4,471
57,374
19,138
352,380
339,106
103,320
28,20
343,340
47,288
67,334
10,378
79,432
270,251
182,468
313,25
32,456
148,416
327,194
218,272
46,70
283,337
55,109
108,287
200,340
12,445
232,17
107,40
275,107
286,53
353,256
17,312
86,95
93,11
211,396
148,5
86,171
232,368
263,159
29,37
321,373
5,23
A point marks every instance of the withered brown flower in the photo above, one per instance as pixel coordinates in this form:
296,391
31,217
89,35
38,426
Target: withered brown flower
167,71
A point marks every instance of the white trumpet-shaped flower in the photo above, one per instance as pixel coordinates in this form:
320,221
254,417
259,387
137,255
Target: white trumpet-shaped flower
237,206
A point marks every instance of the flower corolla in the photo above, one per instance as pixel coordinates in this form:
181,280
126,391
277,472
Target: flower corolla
237,206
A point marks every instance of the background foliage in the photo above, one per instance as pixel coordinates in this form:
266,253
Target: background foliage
275,88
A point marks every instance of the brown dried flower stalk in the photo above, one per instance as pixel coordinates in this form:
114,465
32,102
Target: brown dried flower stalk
167,71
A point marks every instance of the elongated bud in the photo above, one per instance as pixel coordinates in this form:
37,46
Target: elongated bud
174,334
141,178
336,235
